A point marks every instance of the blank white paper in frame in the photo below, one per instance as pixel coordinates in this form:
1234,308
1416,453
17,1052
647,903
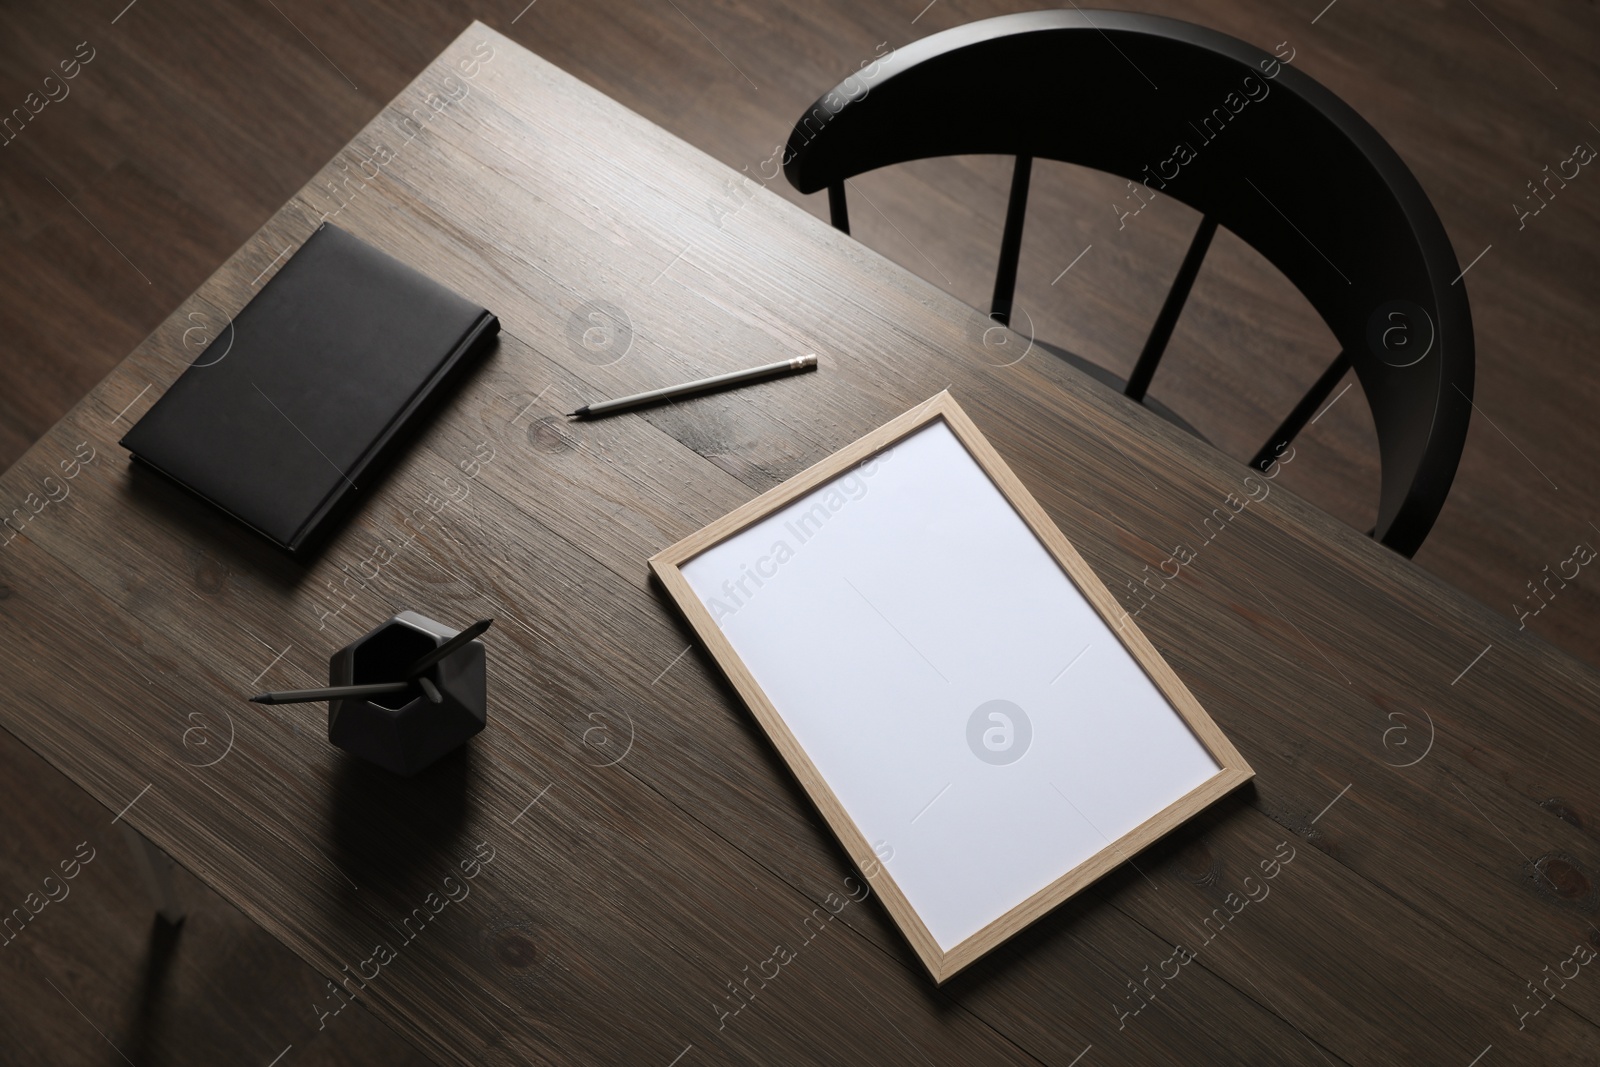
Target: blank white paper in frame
979,722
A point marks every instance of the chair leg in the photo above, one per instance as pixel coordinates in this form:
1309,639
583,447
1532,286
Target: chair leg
155,868
1167,321
1005,275
837,210
1296,420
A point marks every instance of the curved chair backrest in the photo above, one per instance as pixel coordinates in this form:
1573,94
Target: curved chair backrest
1232,131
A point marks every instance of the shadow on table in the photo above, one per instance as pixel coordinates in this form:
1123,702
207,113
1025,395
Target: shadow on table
384,828
144,1030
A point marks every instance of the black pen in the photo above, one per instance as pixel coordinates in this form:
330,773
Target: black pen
738,377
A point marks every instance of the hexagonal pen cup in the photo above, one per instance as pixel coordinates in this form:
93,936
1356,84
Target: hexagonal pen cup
406,732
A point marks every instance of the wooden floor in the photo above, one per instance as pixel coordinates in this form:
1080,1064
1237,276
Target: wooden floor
187,124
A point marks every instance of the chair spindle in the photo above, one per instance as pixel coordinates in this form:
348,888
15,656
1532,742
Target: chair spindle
1005,276
1161,332
1296,419
837,211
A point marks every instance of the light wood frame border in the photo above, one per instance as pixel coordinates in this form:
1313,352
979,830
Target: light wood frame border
1233,770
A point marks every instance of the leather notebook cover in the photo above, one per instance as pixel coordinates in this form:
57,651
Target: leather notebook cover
281,416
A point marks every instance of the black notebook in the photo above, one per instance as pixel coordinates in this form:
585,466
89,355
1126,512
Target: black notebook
284,413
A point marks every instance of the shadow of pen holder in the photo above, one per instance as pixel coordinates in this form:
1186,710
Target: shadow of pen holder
406,732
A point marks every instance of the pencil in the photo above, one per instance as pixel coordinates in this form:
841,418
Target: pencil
460,639
336,692
738,377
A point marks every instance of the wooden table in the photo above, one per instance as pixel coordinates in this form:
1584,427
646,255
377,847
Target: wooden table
605,875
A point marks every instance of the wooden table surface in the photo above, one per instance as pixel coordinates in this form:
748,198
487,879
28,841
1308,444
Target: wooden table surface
1426,773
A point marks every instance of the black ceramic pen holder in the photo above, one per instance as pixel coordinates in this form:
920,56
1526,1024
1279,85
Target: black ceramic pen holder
405,732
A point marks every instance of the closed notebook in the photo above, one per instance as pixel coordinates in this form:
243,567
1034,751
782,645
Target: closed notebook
284,414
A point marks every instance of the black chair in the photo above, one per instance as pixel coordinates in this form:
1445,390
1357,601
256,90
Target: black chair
1245,139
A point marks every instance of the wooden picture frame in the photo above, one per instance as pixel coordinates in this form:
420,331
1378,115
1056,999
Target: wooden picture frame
942,961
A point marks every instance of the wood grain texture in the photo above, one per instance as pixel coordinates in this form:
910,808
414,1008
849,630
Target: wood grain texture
650,850
1232,771
194,123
